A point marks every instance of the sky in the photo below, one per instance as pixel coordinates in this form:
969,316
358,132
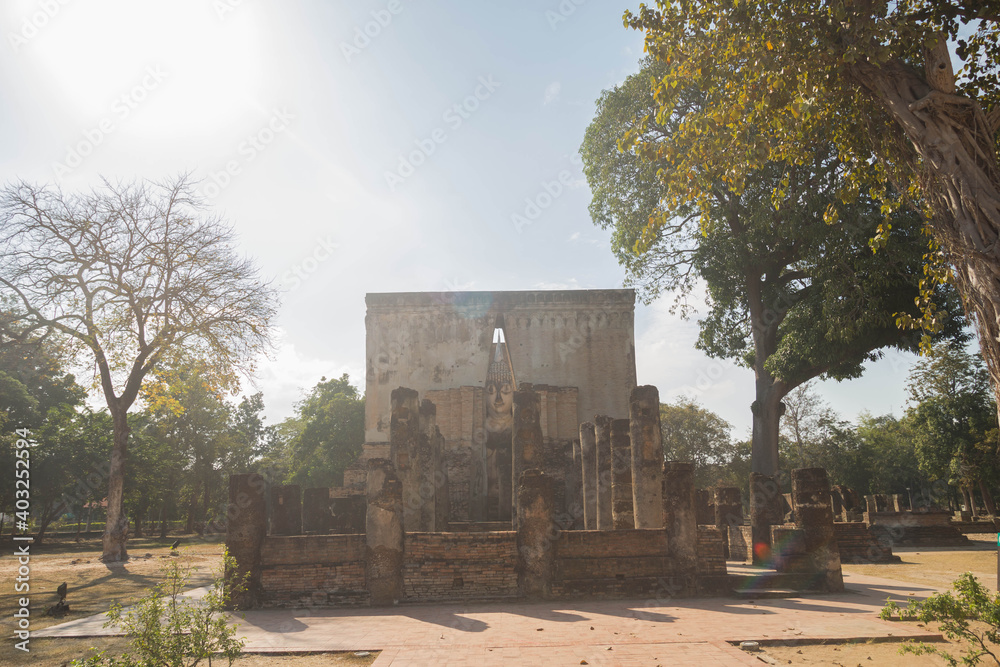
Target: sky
362,147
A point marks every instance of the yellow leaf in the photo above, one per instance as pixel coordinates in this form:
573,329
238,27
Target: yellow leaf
770,47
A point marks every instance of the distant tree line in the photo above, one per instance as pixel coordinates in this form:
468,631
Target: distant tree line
186,439
944,446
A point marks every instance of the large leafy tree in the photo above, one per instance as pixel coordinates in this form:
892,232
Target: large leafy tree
791,295
193,422
878,77
692,433
39,396
130,274
325,436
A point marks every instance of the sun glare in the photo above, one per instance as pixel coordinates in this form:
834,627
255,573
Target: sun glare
180,63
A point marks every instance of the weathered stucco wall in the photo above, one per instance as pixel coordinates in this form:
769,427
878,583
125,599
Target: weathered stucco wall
435,341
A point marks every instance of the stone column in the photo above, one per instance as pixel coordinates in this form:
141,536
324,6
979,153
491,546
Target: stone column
621,476
574,488
679,514
897,505
410,453
814,514
647,456
728,511
246,528
316,510
286,510
442,490
384,533
527,437
588,459
602,434
536,533
765,511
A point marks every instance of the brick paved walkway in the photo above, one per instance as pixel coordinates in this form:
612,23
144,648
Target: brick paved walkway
611,632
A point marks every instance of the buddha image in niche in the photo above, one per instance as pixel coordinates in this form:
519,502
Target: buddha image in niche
499,394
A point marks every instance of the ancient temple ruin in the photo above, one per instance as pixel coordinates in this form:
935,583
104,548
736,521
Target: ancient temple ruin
467,352
508,454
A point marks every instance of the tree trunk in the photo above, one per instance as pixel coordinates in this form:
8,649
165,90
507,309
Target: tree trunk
48,511
206,500
767,412
972,500
138,524
987,499
116,524
163,519
79,523
90,513
961,180
193,505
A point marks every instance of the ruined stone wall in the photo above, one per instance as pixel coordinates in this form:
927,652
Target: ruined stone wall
313,571
457,566
460,415
460,418
436,341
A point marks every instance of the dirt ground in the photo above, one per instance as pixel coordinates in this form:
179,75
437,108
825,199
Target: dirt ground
92,586
937,567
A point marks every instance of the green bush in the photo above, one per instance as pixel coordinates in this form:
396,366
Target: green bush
956,616
168,630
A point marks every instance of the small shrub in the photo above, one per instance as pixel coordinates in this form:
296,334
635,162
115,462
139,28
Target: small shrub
166,629
956,616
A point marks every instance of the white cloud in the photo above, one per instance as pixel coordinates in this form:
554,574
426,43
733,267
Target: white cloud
287,377
551,93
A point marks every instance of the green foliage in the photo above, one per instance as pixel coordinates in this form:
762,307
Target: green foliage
691,433
193,442
774,74
323,438
953,416
793,293
166,629
973,616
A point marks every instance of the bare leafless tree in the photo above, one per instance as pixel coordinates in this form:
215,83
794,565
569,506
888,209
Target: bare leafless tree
129,275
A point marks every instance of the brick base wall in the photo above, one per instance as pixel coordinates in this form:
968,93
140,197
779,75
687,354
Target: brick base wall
329,570
711,551
459,566
313,571
634,563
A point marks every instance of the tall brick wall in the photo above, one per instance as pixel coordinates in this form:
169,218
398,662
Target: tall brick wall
458,566
313,570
